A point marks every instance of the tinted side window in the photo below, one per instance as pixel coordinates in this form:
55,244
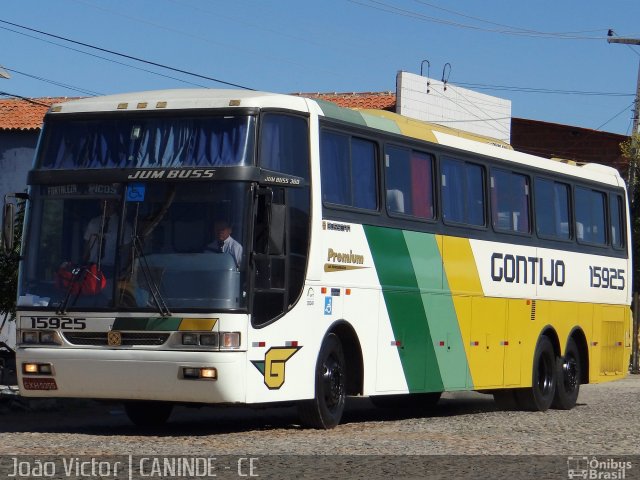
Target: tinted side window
284,144
348,169
590,216
463,192
616,211
363,174
510,201
409,182
552,209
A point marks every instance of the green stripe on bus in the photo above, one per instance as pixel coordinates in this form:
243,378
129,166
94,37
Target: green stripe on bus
152,324
439,309
331,110
405,307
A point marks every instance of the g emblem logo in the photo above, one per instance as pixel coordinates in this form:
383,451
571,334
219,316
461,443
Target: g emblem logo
114,339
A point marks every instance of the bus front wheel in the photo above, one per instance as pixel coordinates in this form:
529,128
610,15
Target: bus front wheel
148,414
324,411
543,388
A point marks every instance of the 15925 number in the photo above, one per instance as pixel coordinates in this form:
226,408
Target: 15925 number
603,277
65,323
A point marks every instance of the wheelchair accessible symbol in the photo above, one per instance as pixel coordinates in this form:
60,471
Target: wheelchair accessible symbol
135,192
328,305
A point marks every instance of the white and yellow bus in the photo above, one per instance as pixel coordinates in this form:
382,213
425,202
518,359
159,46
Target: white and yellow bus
374,255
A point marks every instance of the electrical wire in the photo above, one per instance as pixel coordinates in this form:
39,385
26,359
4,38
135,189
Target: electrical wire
502,24
30,100
130,57
378,5
53,82
615,116
102,58
542,90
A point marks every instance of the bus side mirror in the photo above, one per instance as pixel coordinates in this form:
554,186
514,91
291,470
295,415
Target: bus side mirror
8,226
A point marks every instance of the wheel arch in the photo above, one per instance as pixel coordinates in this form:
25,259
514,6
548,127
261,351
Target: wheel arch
580,339
550,332
352,355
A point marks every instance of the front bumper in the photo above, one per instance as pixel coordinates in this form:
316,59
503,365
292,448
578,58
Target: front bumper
135,375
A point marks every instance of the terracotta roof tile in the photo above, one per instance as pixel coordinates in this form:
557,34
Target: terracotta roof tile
373,100
25,114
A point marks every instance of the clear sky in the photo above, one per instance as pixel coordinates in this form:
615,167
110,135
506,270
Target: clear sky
542,54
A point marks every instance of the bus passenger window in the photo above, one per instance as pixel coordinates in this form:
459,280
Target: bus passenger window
463,192
409,182
616,211
348,170
552,209
510,201
590,216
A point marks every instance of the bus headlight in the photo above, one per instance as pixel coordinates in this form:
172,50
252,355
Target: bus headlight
30,337
190,339
209,340
48,337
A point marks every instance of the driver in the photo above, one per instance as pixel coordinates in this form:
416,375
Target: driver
224,242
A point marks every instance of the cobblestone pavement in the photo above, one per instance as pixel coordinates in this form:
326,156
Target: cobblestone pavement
606,421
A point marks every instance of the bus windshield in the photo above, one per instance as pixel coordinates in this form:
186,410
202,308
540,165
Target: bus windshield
153,247
144,141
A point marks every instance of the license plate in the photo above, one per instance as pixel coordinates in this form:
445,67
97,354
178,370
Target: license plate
39,384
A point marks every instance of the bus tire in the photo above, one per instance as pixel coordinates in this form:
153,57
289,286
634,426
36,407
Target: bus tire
568,373
148,414
324,411
539,397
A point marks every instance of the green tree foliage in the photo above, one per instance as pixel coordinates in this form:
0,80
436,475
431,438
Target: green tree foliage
631,151
9,261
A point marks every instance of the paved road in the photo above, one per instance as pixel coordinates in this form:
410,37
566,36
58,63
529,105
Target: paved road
605,421
605,424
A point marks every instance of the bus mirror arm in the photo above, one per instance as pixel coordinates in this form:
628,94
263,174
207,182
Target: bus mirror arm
8,219
8,226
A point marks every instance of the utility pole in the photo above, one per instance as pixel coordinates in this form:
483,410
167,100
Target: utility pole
636,110
632,180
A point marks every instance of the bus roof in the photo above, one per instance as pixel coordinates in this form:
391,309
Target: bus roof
184,99
181,99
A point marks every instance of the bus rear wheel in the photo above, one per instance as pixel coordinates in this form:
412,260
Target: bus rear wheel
539,397
148,414
568,372
325,410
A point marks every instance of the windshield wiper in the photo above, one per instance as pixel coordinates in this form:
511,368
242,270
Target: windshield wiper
76,273
154,290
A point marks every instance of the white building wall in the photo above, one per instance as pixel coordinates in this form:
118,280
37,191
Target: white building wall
427,99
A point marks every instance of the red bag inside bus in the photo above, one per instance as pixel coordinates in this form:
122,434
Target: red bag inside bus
88,280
